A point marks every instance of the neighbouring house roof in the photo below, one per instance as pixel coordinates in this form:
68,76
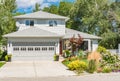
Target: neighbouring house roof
41,15
71,32
32,32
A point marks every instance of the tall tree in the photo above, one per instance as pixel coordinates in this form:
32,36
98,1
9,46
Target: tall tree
7,23
37,7
91,16
52,9
64,8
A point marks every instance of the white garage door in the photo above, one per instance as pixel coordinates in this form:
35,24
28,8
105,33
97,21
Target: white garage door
33,51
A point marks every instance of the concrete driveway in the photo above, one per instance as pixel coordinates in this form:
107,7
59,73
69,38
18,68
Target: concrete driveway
34,69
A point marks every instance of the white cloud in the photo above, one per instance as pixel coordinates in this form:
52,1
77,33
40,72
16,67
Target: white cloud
44,5
27,3
53,0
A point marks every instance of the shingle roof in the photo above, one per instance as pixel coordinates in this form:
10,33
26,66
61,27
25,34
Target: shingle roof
37,32
71,32
41,15
32,32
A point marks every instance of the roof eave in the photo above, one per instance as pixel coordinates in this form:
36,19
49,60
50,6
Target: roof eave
31,36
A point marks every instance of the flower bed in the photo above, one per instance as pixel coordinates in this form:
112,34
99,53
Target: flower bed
106,64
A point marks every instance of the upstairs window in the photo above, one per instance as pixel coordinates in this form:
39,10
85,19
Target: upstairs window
29,23
52,23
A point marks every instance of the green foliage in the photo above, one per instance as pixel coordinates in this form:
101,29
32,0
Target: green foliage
52,9
106,69
64,8
81,54
88,16
110,58
77,65
94,16
67,53
6,58
66,62
101,49
73,58
110,40
1,64
91,66
7,23
37,7
1,53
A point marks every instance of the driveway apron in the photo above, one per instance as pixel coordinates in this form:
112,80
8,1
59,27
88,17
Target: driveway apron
34,69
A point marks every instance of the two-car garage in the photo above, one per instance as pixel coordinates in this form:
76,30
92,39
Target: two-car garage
33,50
33,44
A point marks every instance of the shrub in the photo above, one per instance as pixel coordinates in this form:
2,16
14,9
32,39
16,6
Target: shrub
91,66
73,58
81,54
67,53
101,49
110,58
95,55
6,58
77,65
3,54
106,69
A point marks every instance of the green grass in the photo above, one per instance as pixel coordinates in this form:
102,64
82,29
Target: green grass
66,62
1,64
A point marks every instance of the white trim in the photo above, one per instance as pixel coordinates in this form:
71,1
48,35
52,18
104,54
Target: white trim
89,45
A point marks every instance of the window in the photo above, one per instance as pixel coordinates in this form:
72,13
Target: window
51,48
37,49
30,49
29,23
44,49
52,23
16,49
23,49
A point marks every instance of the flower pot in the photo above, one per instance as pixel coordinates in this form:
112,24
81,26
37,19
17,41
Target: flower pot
56,58
9,59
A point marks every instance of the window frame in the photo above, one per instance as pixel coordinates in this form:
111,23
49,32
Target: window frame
52,23
29,22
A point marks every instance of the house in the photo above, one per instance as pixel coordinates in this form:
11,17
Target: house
40,35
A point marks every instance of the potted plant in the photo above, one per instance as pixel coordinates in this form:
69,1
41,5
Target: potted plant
56,57
9,57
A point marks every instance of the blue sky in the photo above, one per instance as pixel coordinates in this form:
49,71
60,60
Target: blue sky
28,5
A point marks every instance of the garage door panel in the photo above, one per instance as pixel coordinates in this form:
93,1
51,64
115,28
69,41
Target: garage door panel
33,52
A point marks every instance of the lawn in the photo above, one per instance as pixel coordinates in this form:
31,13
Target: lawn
1,64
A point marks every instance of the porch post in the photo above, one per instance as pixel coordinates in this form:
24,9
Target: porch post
94,45
89,45
61,47
57,48
9,48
